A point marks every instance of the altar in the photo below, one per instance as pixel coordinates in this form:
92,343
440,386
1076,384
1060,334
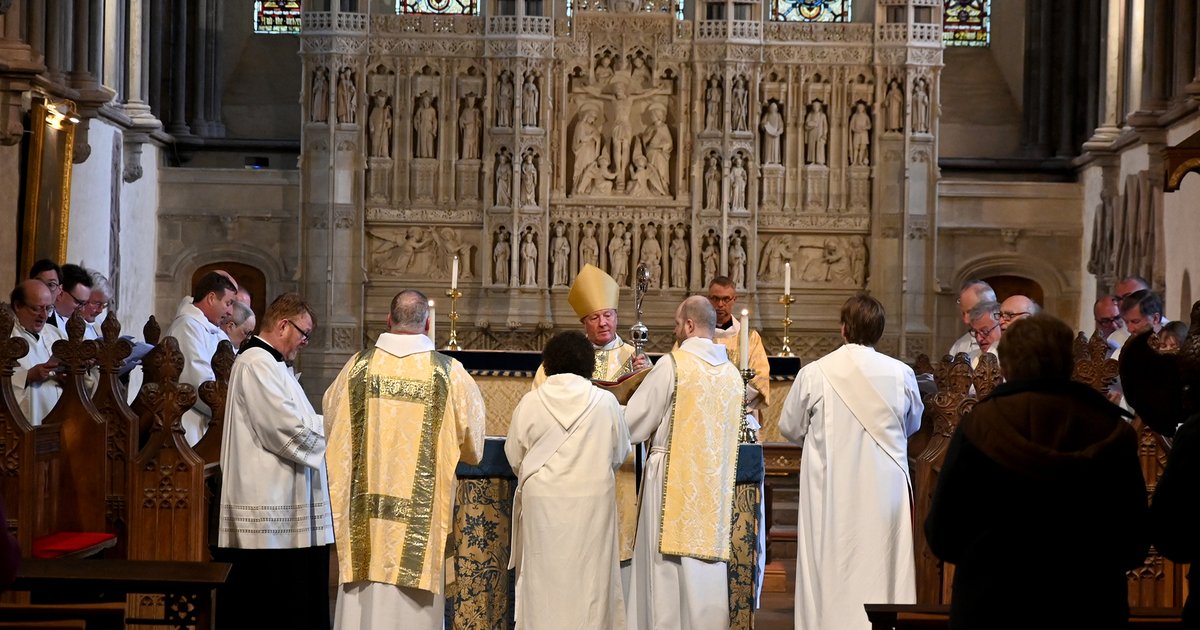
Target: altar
480,588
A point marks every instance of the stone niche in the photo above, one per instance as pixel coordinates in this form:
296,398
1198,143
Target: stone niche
530,146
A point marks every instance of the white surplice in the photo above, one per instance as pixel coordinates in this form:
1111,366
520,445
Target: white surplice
198,339
275,489
669,592
965,343
35,399
566,440
854,542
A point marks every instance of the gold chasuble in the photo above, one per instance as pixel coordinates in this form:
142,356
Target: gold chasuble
400,427
758,361
702,452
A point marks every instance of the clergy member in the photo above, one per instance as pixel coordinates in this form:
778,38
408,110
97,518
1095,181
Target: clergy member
276,526
691,404
594,296
196,328
566,440
399,417
723,295
971,293
852,411
35,379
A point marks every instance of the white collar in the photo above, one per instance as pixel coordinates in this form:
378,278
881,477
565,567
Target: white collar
617,342
404,345
732,331
710,352
190,310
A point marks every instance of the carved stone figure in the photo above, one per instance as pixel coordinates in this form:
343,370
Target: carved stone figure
589,247
644,180
560,257
379,123
320,95
604,71
712,184
679,259
709,256
470,120
737,262
737,184
529,178
893,111
816,134
658,146
860,127
529,102
652,255
712,105
741,105
347,96
504,180
504,100
640,75
597,177
622,130
585,145
858,259
833,265
529,260
775,252
501,256
920,109
619,247
425,123
772,127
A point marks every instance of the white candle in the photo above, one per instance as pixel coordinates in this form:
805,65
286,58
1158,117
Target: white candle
787,278
744,339
432,324
454,274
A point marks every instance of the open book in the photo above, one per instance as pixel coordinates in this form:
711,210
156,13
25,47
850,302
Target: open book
624,386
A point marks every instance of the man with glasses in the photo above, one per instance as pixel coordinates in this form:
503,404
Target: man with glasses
971,292
96,305
196,328
275,523
50,274
75,291
723,296
35,380
1016,307
1121,290
985,328
1107,312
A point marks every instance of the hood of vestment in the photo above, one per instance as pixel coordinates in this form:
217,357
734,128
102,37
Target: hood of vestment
566,397
1049,429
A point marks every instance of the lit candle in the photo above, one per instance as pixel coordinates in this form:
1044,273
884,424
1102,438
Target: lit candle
432,324
744,339
787,278
454,274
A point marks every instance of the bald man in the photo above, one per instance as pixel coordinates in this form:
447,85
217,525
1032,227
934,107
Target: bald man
35,381
691,405
1016,307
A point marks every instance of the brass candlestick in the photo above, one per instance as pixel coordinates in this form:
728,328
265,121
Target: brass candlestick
452,342
786,300
746,435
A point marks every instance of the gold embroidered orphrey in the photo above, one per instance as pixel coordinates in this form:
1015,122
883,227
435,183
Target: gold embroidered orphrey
705,416
414,513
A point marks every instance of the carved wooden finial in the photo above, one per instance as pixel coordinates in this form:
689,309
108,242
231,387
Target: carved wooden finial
75,326
222,361
151,332
1080,346
987,375
923,365
74,352
111,328
11,348
163,363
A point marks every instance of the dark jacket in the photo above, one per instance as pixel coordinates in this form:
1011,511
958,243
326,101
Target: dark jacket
1175,511
1041,504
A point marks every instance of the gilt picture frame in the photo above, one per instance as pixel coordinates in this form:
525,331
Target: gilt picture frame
47,208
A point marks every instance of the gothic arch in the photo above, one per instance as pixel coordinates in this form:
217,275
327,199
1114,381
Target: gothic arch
1062,299
174,278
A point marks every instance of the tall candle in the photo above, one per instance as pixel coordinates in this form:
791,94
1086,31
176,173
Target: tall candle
744,339
432,323
787,278
454,274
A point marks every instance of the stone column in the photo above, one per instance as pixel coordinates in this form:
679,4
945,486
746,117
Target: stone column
197,83
1193,88
1111,85
1135,54
37,26
216,129
1156,81
179,87
55,33
1185,48
1068,40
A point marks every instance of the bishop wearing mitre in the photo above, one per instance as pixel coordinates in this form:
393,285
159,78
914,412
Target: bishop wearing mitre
594,296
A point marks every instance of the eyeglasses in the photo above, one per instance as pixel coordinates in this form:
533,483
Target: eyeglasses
98,305
52,285
78,302
303,333
985,332
47,309
1008,315
1109,321
721,299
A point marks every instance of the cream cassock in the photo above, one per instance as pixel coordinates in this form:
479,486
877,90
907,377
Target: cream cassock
35,399
853,411
566,440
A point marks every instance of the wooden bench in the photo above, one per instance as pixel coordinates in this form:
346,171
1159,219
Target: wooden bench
186,587
920,616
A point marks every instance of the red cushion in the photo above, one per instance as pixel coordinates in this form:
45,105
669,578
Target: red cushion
63,543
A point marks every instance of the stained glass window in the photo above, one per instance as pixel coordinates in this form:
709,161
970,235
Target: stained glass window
967,23
810,10
275,17
444,7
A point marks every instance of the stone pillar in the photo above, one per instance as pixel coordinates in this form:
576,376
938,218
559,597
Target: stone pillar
1193,88
179,87
1066,66
212,49
197,80
1111,85
1156,81
1135,54
1184,64
56,27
